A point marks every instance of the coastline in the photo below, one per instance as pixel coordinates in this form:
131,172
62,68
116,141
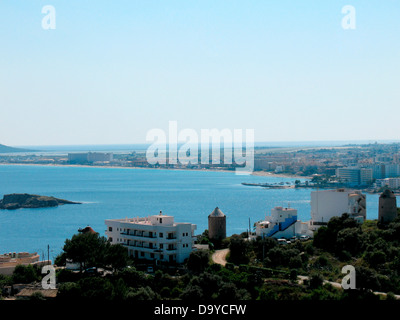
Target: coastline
106,167
254,173
278,175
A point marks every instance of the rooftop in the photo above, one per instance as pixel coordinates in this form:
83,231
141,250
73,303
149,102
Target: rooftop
217,213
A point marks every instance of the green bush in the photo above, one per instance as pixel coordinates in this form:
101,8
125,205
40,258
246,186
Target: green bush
25,274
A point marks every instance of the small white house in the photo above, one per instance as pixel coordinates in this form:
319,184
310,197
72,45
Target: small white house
282,223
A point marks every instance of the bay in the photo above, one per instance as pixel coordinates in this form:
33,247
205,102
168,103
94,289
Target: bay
112,193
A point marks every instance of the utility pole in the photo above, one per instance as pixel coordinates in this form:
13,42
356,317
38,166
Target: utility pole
48,254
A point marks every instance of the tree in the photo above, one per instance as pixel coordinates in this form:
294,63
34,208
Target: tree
25,274
316,281
87,249
282,255
375,258
239,249
295,262
349,239
96,288
119,290
367,279
324,238
341,233
91,250
228,292
133,278
192,293
198,260
261,246
143,293
115,256
69,290
210,283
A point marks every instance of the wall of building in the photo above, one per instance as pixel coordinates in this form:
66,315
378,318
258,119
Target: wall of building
327,204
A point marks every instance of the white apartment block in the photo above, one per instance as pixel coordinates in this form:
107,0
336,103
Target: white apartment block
355,176
326,204
155,237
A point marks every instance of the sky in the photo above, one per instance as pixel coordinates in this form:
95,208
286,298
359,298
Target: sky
111,71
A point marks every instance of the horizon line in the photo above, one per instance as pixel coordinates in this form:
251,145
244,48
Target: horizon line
263,143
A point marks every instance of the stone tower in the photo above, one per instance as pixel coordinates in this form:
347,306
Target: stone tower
387,207
216,225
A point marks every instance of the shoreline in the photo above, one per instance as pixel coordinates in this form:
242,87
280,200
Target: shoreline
254,173
278,175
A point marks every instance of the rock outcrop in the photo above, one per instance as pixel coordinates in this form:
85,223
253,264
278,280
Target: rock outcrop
24,200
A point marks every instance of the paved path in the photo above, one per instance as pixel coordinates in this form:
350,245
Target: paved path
219,256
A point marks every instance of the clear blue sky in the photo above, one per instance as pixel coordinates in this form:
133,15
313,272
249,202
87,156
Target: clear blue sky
113,70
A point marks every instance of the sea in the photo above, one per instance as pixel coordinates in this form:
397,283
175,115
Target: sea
115,193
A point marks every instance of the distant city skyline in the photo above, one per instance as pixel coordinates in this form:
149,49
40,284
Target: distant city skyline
108,73
257,144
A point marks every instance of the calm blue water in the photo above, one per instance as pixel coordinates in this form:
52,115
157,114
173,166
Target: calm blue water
110,193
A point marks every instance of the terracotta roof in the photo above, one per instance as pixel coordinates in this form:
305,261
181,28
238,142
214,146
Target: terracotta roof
87,230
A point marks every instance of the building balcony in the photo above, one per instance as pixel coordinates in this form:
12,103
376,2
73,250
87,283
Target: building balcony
170,239
142,247
137,236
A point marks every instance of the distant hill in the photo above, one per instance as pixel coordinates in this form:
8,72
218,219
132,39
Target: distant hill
6,149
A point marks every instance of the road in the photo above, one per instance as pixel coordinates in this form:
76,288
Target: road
219,256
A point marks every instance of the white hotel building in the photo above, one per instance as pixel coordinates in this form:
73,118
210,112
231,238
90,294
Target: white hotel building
155,237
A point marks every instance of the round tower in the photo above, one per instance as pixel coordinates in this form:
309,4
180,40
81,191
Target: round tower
387,207
216,225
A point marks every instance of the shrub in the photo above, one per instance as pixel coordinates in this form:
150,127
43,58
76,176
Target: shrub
25,274
316,281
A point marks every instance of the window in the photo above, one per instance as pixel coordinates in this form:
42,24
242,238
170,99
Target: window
160,220
161,235
161,246
110,229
